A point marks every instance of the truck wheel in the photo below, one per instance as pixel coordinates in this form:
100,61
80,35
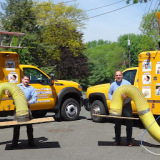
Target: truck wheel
97,107
70,109
39,114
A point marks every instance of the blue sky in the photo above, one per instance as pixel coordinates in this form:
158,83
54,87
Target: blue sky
110,26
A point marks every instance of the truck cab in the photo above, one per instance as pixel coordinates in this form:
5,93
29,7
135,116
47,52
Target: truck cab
146,77
64,98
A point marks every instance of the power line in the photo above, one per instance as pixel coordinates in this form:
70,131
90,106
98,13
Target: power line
95,15
145,8
155,11
104,6
92,16
158,2
151,18
91,9
109,12
143,14
150,6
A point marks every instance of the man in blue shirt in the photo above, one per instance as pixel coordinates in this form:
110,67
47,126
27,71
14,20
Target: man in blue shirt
126,112
31,98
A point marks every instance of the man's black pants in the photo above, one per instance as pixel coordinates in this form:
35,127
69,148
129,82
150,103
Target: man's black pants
16,133
126,112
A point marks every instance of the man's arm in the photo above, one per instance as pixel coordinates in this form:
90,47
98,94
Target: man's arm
125,97
34,97
110,92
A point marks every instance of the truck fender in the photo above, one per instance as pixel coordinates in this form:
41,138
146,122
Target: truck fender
66,91
98,96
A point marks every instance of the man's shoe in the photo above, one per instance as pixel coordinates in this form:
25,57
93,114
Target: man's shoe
32,144
14,145
117,143
130,144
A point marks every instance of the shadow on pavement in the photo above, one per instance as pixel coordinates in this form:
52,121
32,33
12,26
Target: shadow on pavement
40,144
123,143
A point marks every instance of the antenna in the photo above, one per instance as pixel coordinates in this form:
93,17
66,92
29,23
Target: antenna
7,37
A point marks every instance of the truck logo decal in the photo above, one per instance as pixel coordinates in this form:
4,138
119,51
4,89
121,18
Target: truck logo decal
9,65
43,101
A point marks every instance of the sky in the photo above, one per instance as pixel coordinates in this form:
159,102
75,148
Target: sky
110,26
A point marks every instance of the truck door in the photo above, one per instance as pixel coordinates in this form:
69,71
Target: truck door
131,76
46,95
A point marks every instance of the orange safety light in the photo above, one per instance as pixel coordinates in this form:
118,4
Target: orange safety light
158,17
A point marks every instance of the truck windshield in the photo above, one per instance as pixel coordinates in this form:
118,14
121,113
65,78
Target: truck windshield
130,75
36,76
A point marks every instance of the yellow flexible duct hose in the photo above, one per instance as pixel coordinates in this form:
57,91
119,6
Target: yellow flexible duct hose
142,106
18,97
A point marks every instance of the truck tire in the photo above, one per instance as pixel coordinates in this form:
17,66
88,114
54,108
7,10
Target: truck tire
39,113
97,107
70,110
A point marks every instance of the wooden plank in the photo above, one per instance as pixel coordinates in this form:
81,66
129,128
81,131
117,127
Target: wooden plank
32,121
108,116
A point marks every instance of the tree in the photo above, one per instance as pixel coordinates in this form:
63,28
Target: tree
94,43
61,24
72,66
18,16
149,25
139,43
97,64
61,30
103,61
115,59
52,30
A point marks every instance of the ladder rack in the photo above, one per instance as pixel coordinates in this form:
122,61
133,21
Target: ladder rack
8,36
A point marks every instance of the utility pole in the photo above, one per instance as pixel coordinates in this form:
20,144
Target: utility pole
124,59
129,51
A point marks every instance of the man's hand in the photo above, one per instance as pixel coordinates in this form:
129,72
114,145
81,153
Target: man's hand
124,96
28,102
7,93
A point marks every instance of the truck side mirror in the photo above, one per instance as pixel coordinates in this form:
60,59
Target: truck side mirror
52,76
112,80
51,80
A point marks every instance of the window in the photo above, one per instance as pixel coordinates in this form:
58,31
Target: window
130,75
36,76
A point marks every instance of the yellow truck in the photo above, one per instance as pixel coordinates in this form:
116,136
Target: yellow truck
64,98
146,77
